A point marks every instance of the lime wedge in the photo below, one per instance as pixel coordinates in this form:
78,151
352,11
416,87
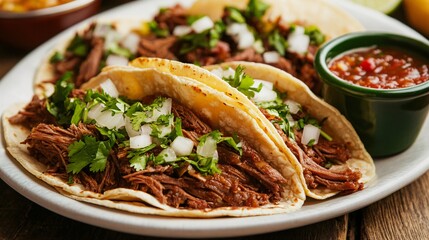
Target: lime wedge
384,6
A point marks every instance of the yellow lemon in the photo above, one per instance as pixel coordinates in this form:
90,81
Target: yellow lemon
417,12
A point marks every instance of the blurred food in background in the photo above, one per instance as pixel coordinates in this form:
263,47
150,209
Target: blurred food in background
29,5
27,29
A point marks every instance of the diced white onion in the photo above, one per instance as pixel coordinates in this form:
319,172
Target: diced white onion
208,148
294,107
95,111
216,155
181,30
168,154
299,30
109,87
217,71
298,41
265,84
105,119
265,95
310,132
146,129
182,146
241,34
129,128
140,141
131,42
229,72
116,60
165,130
235,29
164,110
101,30
111,39
271,57
202,24
246,40
290,120
258,46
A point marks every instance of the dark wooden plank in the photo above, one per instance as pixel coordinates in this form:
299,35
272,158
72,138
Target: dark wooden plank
405,213
22,219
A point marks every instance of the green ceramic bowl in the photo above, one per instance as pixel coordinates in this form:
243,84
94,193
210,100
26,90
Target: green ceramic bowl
387,120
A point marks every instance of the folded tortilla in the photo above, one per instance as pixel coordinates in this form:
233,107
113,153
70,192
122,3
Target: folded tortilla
335,124
218,111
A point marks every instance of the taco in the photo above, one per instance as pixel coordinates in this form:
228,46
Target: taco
319,142
150,142
285,34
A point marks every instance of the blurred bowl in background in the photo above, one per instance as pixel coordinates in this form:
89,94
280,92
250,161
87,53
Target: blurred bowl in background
388,120
27,30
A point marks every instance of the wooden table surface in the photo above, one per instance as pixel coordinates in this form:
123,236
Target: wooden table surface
402,215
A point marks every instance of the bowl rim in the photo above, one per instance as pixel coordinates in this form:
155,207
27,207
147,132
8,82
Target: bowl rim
65,7
321,64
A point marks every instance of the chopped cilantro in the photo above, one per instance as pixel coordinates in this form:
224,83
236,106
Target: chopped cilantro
316,37
121,51
88,151
243,82
235,15
256,8
276,40
192,18
56,57
78,46
206,39
158,31
58,103
311,142
139,157
205,165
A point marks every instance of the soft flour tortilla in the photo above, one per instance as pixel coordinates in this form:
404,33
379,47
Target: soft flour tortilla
336,124
330,19
218,111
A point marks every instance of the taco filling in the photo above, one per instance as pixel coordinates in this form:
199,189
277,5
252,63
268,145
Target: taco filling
156,145
321,157
241,34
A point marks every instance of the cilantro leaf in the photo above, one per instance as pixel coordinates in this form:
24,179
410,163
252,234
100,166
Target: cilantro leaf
56,57
316,36
276,40
88,151
139,157
78,46
256,8
206,39
243,82
157,30
235,15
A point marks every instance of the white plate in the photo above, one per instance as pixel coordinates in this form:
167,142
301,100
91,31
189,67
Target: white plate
392,173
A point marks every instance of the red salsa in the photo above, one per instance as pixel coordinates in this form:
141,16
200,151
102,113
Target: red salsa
381,68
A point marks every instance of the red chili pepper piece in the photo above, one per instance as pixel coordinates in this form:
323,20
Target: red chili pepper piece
368,64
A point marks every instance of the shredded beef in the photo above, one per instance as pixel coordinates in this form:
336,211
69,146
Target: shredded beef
313,160
33,113
245,180
49,143
90,67
172,17
151,46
